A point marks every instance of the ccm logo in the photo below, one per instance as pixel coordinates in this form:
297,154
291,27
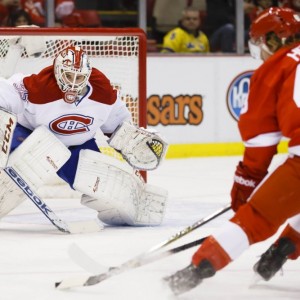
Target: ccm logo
7,136
27,190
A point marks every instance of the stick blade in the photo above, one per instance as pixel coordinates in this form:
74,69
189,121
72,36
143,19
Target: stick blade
84,260
85,226
71,282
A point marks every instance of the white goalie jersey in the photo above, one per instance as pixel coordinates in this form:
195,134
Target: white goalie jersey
37,100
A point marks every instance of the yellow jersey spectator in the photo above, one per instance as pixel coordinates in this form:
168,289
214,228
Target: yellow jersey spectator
187,37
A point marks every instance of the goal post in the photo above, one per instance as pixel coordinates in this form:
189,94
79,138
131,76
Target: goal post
120,53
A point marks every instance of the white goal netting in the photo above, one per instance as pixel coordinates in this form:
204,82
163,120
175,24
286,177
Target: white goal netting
119,55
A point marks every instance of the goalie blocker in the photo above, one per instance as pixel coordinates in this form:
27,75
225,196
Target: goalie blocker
117,192
141,148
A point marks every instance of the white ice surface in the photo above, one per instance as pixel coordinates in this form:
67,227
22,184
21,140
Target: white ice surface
34,255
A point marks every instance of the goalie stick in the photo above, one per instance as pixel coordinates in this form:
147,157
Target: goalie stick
74,227
138,260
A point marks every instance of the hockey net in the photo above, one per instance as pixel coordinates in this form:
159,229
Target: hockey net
119,53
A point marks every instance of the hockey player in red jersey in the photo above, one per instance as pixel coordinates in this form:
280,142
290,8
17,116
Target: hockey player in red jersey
272,111
59,111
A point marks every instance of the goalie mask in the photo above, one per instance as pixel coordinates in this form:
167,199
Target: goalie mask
72,71
272,29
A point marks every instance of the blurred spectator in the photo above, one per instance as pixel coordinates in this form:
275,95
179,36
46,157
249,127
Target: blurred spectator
293,4
82,18
7,7
166,13
11,5
18,18
162,22
63,8
37,10
220,24
187,37
3,13
249,7
261,5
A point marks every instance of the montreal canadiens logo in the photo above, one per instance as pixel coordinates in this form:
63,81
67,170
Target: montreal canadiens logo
237,93
71,124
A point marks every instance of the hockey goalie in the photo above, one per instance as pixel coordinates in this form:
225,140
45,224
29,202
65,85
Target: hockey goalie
48,123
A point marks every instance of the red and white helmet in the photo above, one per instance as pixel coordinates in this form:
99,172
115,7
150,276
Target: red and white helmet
72,70
283,22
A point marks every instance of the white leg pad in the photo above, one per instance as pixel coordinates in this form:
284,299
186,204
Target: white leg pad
152,206
39,157
8,123
113,189
10,195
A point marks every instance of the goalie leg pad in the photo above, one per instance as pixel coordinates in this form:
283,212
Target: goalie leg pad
108,212
39,157
148,211
119,195
10,195
8,122
151,206
142,149
111,185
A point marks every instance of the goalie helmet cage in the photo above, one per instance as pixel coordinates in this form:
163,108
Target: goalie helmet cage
120,53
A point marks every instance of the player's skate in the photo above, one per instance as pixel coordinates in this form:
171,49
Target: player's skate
274,258
189,277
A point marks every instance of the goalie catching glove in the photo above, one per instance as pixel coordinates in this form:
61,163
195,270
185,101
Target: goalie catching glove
142,149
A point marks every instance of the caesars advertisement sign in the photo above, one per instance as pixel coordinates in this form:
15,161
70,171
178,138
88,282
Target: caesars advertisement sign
188,109
174,110
198,99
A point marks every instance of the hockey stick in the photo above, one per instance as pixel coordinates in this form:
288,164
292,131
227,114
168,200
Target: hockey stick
136,261
92,280
188,229
74,227
92,266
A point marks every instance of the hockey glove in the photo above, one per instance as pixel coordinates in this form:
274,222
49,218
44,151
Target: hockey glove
244,184
141,148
